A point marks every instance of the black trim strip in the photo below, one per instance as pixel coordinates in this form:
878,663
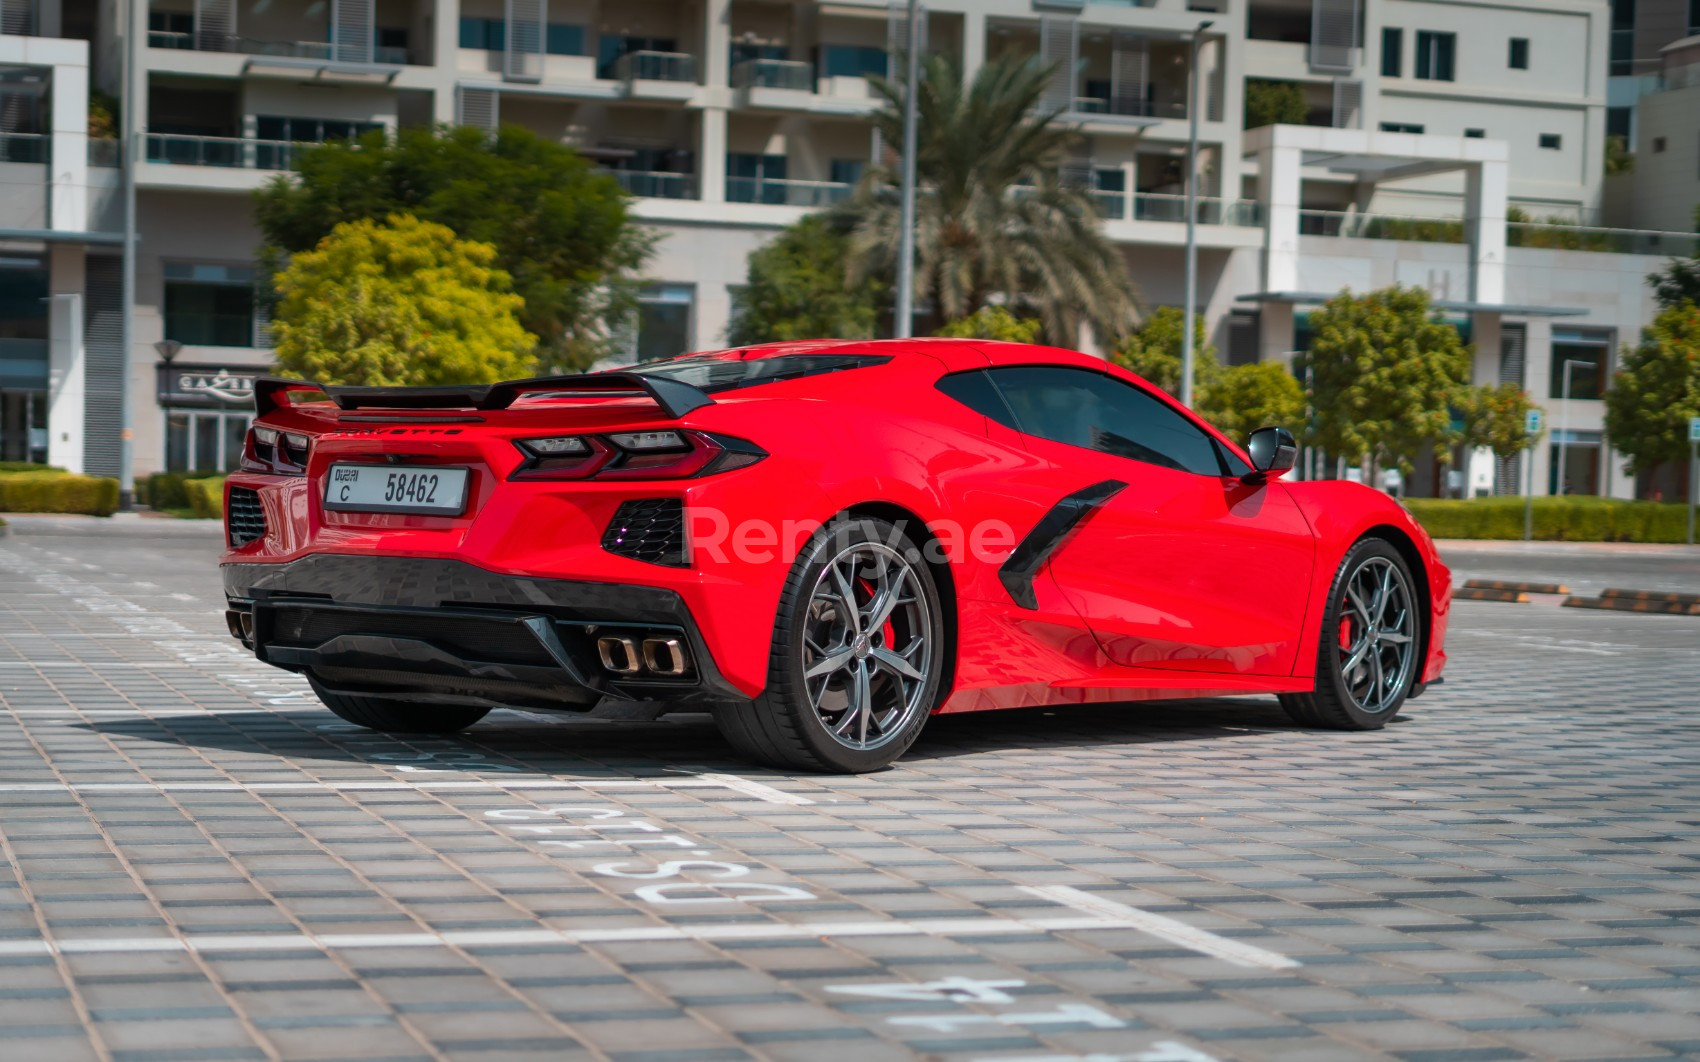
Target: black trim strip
674,397
1023,564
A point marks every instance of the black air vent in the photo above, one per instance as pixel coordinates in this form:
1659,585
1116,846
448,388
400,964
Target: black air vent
243,517
649,529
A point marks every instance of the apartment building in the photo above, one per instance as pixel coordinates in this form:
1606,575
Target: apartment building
728,119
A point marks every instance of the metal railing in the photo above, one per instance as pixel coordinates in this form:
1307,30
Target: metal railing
1550,234
1128,106
655,66
389,55
775,74
228,152
786,192
653,185
1353,225
219,42
24,147
1112,205
1210,210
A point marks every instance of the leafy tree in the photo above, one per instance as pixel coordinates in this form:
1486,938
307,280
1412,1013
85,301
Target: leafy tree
1154,351
797,290
995,222
1382,371
562,230
399,302
1656,390
1240,399
1619,159
1497,418
1679,281
1274,103
993,322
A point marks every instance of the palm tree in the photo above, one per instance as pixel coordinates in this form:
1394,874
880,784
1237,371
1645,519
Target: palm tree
994,221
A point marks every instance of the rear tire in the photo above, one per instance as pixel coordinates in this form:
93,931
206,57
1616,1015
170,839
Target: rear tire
857,657
1367,658
396,717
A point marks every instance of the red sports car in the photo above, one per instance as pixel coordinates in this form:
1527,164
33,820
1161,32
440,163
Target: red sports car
822,543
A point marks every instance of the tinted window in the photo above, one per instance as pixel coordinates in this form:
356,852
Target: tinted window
724,374
976,392
1092,410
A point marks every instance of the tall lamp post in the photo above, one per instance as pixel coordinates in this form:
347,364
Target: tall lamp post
906,235
1564,420
1187,354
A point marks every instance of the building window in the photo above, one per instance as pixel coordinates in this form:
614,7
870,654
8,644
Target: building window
848,60
1434,55
1392,51
610,48
848,171
1587,352
1617,121
1551,141
204,441
1519,58
755,178
561,38
1658,145
1693,18
745,52
664,321
487,34
1401,127
1475,134
209,305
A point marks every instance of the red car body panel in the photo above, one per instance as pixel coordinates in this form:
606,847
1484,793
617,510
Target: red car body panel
1181,585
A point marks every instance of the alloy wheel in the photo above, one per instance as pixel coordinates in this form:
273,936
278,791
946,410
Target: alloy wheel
1376,639
867,645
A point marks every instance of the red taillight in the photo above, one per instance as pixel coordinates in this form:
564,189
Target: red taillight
280,453
634,455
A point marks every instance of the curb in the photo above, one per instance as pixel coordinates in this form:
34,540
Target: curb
1651,595
1483,593
1629,604
1525,588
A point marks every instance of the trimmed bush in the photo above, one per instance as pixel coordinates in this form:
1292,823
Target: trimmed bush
1572,519
206,497
164,490
25,466
57,492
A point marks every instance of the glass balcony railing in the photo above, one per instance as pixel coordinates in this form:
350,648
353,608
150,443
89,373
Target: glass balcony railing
652,185
777,192
219,42
1128,107
237,153
1112,205
105,152
1153,206
655,66
1556,235
775,74
24,147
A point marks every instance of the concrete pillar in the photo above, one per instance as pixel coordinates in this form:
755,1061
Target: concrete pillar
711,156
68,193
717,43
1275,332
445,42
1485,334
1485,189
1537,377
973,43
65,362
1278,193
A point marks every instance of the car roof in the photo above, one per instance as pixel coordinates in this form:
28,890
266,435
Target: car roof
996,352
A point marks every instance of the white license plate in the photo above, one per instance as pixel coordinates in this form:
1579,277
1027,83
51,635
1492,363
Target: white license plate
396,489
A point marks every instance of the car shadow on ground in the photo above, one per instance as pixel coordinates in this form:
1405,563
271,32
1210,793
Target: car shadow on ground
538,744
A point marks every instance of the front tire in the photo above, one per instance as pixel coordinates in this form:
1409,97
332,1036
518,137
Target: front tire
395,717
857,657
1367,659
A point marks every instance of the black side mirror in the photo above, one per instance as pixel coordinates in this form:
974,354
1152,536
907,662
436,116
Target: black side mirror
1273,452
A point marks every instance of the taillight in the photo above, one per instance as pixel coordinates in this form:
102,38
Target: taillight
281,453
676,454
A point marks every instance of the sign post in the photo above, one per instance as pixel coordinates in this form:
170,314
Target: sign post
1532,425
1693,472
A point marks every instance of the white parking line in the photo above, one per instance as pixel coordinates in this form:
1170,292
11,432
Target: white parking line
751,787
702,781
1175,932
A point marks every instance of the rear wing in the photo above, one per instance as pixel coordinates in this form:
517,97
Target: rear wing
675,398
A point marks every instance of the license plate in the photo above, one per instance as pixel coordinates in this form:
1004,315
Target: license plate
396,489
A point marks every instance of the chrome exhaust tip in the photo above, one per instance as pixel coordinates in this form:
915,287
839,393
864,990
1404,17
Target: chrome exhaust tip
619,655
664,656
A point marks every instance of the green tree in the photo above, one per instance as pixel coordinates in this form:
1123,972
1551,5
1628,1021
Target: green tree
1240,399
1274,103
995,222
1656,390
1154,351
1679,281
797,289
1497,418
993,322
562,230
400,301
1383,371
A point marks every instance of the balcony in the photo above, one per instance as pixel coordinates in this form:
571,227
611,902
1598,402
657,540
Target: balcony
236,153
657,75
24,180
784,74
1153,206
318,51
1550,235
1128,107
779,192
654,185
24,147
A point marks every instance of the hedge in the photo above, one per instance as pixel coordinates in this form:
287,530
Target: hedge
1571,519
57,492
206,497
164,490
26,466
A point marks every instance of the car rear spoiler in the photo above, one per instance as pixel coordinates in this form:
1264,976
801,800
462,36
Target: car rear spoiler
674,397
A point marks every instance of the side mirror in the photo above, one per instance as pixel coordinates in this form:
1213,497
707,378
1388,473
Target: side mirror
1273,452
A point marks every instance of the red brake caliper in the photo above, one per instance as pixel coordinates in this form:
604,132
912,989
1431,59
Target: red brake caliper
1345,632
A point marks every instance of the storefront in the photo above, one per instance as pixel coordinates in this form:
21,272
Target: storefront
207,411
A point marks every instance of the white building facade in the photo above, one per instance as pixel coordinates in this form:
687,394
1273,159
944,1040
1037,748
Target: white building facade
729,119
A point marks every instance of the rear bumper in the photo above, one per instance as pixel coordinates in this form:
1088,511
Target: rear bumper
448,631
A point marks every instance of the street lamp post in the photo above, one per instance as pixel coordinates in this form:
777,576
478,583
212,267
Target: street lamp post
1187,354
1564,420
905,324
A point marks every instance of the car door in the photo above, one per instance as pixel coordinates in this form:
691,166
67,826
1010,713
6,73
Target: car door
1178,564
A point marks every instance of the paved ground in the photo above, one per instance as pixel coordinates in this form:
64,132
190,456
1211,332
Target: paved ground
201,864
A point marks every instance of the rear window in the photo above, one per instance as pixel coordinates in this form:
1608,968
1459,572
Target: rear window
722,374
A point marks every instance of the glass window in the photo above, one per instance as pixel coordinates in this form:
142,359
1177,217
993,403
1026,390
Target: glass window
1434,55
1392,49
488,34
609,48
744,52
848,60
1095,411
235,433
848,171
210,306
713,373
976,391
1400,127
1617,121
1519,57
1475,134
1551,141
664,321
564,39
747,177
177,442
1588,356
206,443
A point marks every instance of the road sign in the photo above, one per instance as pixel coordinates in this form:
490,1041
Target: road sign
1694,429
1532,424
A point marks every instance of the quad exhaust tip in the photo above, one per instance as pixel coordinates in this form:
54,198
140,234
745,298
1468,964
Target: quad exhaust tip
664,656
619,655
